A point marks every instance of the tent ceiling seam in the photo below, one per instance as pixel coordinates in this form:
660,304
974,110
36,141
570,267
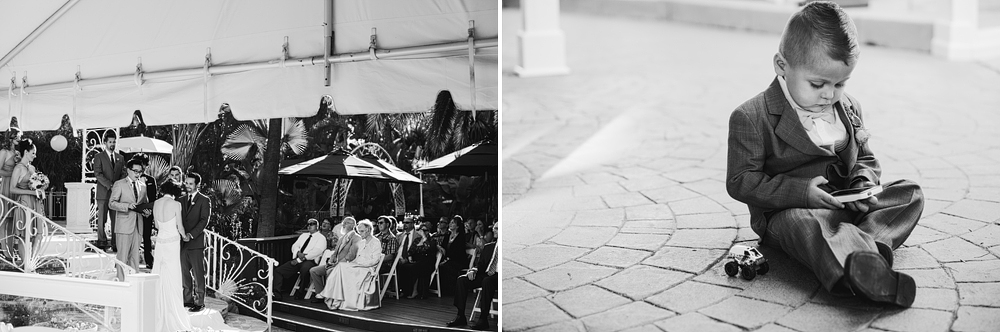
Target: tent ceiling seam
269,64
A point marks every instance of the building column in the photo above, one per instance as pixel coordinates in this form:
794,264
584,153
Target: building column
956,38
542,43
78,207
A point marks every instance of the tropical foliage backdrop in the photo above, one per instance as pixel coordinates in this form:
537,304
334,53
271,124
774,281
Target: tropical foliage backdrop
239,161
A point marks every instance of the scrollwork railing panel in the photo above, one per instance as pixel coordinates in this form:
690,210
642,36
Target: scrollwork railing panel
31,243
239,273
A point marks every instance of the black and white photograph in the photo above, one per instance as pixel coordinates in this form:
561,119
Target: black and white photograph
751,165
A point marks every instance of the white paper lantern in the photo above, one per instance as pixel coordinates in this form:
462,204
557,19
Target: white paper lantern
58,143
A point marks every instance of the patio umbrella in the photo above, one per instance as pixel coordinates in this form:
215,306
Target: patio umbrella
399,174
474,160
144,144
338,164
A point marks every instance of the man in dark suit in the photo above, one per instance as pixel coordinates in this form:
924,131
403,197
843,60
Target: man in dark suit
486,275
147,209
108,167
196,211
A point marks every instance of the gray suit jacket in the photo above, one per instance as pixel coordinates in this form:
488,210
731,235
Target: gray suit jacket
771,158
106,174
121,197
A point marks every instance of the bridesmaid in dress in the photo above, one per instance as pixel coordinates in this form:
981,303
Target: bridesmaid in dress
31,198
8,158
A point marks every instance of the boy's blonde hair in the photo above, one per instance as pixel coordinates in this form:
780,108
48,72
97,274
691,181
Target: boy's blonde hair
820,26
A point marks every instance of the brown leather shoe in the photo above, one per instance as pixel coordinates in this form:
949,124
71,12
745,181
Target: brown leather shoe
869,274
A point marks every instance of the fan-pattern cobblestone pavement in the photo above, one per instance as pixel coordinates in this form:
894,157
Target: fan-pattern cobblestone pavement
616,215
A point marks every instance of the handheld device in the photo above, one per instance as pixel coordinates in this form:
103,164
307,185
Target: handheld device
855,194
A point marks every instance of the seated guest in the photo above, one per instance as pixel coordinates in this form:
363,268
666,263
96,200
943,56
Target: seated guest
326,228
455,259
442,232
351,285
390,243
485,274
305,250
317,274
343,252
417,263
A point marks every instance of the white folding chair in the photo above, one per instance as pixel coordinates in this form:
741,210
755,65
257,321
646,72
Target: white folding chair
378,279
391,276
436,276
475,308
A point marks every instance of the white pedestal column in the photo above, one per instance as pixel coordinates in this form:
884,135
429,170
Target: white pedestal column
957,37
542,43
78,207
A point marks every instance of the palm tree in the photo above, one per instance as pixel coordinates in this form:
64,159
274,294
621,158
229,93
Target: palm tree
261,146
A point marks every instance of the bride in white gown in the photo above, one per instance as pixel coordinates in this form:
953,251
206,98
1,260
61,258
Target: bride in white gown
171,316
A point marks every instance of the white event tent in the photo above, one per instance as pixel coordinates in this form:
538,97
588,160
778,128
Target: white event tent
177,61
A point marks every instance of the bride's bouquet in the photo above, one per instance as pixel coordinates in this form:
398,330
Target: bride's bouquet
38,181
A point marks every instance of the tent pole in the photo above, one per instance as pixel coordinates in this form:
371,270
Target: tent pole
421,194
301,62
38,31
329,40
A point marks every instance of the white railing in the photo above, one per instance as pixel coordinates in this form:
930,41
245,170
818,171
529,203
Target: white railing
32,244
236,272
132,296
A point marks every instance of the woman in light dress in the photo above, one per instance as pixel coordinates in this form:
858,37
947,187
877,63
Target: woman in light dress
172,316
349,285
31,198
8,158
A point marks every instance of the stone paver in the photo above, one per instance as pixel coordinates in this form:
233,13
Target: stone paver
629,315
640,281
694,260
914,320
691,295
694,322
977,319
587,300
818,317
979,294
568,276
616,214
745,312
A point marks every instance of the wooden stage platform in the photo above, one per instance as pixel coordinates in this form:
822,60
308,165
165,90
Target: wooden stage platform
410,315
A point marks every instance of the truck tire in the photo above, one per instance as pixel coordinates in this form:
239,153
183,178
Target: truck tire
732,269
749,272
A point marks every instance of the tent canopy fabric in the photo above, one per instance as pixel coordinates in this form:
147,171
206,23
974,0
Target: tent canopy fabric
99,61
399,174
474,160
338,164
143,144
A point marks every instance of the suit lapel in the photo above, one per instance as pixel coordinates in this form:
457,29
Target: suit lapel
789,127
850,154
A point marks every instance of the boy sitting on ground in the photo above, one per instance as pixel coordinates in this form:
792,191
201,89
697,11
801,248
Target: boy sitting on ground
802,138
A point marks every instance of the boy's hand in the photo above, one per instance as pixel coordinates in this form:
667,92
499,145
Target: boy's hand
816,198
865,204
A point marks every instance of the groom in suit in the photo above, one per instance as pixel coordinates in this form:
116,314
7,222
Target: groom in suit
126,194
108,167
196,211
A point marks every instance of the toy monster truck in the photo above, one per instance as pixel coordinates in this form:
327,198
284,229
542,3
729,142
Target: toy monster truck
747,259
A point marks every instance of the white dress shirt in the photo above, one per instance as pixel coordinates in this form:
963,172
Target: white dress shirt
315,247
824,134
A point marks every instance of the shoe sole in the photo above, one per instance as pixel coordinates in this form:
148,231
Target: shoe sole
869,274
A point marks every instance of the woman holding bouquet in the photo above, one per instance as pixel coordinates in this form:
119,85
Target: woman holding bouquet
21,187
8,158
